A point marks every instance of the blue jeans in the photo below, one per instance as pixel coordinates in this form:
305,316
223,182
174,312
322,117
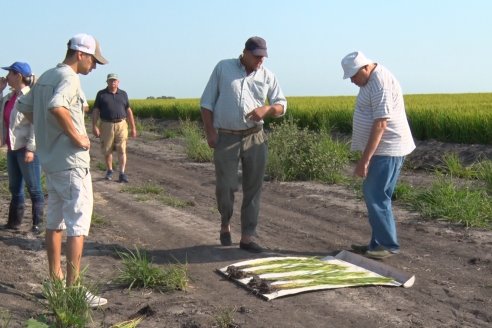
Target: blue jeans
378,188
22,173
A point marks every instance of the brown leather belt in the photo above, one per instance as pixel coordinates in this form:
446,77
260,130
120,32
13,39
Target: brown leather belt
242,133
114,121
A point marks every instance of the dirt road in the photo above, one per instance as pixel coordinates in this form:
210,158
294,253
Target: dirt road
453,265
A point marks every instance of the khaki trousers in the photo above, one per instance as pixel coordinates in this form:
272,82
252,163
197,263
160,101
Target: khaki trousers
252,151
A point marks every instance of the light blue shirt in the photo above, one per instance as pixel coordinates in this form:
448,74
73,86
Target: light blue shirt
231,94
57,87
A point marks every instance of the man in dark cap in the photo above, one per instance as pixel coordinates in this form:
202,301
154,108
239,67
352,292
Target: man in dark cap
233,106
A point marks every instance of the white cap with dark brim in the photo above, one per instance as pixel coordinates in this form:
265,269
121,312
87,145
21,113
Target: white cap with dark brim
87,44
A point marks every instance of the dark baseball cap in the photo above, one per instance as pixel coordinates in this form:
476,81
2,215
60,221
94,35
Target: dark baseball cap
257,46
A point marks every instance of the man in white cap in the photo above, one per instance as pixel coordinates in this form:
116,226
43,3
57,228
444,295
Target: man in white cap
382,133
233,106
55,105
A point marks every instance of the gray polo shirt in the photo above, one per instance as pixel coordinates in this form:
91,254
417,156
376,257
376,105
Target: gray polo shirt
57,87
231,94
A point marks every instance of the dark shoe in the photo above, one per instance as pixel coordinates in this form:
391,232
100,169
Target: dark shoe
11,227
16,213
37,212
35,230
225,238
109,175
123,178
359,248
251,247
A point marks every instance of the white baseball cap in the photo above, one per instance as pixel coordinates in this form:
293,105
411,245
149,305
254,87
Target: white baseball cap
87,44
353,62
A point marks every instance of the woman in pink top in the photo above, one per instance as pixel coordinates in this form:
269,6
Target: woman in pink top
17,133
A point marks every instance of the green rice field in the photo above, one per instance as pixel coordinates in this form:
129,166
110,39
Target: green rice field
459,118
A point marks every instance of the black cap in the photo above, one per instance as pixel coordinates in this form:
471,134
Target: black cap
257,46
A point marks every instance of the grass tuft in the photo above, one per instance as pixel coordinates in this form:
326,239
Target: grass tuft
98,220
149,191
484,173
446,200
197,148
68,303
225,318
139,272
5,318
453,166
301,154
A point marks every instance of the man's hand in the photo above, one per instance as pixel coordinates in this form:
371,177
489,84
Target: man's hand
84,142
95,132
361,168
258,113
212,137
262,112
377,130
28,156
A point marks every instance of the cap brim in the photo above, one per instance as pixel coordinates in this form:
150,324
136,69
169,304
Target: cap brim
99,57
348,75
354,71
260,52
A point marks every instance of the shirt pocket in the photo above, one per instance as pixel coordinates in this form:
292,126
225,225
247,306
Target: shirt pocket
77,103
259,90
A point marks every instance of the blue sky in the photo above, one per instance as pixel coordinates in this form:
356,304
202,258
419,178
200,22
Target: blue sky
169,48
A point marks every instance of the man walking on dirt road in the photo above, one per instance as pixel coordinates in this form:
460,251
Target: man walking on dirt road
112,107
382,133
233,106
55,105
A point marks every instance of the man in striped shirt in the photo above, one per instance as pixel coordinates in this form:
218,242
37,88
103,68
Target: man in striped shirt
382,133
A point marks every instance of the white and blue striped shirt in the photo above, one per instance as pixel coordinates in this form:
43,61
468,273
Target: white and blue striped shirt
382,97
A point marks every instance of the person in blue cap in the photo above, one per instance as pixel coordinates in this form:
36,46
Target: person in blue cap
17,133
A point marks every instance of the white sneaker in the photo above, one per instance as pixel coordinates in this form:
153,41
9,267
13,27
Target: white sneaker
95,301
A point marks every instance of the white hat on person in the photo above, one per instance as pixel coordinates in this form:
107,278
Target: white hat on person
353,62
87,44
